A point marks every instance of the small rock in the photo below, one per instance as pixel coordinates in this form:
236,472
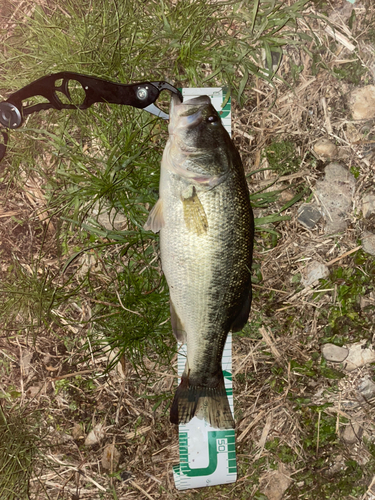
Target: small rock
367,388
368,205
352,433
125,475
95,435
308,215
358,356
276,483
286,195
352,356
59,437
113,220
314,271
368,300
353,135
77,432
110,457
341,15
88,262
65,438
338,465
325,148
47,359
334,353
368,242
335,193
35,390
362,103
26,365
109,218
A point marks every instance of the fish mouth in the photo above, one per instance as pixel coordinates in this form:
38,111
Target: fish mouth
187,114
197,101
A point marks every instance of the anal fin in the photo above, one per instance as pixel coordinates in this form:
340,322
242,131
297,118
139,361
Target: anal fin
177,326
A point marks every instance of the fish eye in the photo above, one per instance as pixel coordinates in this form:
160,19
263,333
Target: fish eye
213,119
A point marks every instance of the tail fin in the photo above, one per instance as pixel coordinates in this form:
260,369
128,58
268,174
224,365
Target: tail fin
208,403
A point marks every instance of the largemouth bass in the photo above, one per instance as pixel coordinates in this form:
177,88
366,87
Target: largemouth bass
206,242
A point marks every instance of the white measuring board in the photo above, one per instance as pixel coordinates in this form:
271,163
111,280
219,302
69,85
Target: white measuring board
207,454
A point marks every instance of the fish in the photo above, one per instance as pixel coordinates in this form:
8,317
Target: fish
206,227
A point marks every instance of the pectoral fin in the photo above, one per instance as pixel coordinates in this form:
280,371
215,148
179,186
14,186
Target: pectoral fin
177,326
155,219
194,214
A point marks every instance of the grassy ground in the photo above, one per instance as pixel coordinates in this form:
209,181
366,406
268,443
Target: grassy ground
85,335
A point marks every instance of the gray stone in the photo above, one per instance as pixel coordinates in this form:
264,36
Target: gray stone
276,483
368,205
96,435
337,465
353,133
286,195
367,300
352,356
335,193
110,219
352,433
325,148
367,388
342,14
368,242
362,103
334,353
314,271
308,215
77,432
358,356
